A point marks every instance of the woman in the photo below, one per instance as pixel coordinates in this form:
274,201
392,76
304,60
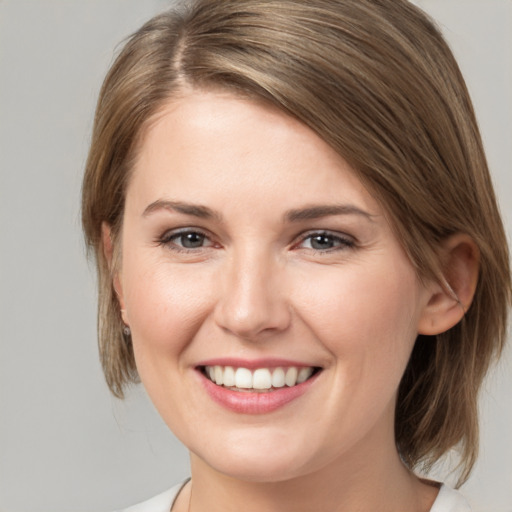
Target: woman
299,251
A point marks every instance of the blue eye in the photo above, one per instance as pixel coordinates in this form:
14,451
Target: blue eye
189,240
186,240
326,241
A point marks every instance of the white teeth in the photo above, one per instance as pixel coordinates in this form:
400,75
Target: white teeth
229,376
290,378
218,375
304,374
260,379
243,378
278,378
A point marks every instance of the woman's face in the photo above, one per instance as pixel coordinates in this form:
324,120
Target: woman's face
252,255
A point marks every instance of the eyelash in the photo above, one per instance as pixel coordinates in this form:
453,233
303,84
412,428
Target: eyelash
342,242
168,239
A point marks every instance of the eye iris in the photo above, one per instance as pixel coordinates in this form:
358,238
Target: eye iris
322,242
192,240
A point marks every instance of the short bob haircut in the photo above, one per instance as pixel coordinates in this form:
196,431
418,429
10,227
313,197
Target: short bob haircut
376,80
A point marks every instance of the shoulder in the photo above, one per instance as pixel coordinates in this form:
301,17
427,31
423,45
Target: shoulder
159,503
449,500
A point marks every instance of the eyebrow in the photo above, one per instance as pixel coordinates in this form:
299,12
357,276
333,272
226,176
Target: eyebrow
317,212
196,210
295,215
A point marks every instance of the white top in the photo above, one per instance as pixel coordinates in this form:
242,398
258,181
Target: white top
447,500
161,503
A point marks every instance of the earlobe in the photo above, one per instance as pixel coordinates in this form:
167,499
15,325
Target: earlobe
450,299
108,252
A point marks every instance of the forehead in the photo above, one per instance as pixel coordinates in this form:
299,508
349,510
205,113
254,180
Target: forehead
203,142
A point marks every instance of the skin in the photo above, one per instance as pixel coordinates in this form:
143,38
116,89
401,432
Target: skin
259,287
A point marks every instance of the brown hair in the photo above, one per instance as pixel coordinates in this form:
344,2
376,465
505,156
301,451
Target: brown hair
376,80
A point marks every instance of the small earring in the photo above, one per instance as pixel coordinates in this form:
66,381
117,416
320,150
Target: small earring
127,331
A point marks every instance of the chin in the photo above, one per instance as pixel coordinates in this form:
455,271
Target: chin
261,471
262,462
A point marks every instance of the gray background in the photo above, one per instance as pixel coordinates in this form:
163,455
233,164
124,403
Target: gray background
65,444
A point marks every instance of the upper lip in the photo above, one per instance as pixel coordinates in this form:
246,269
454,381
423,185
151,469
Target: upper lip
254,363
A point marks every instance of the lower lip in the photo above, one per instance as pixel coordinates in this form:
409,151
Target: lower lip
246,402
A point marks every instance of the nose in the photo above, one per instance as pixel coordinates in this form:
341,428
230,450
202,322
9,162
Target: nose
252,302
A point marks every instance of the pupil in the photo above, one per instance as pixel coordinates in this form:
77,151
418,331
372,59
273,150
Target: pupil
192,240
321,242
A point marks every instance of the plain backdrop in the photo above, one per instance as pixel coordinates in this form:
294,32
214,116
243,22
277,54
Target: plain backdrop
65,444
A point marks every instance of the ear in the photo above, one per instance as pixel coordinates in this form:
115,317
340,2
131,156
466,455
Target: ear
450,299
108,251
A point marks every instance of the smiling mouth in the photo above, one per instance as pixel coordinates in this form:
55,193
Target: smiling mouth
260,379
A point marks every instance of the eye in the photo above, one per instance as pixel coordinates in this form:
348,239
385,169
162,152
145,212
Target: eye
190,240
325,241
186,240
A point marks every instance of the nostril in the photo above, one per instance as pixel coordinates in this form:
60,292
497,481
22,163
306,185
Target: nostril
252,321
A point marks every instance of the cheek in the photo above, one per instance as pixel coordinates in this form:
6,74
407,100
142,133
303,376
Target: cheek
366,317
165,304
367,299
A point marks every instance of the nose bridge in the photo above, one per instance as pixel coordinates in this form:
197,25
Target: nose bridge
252,298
